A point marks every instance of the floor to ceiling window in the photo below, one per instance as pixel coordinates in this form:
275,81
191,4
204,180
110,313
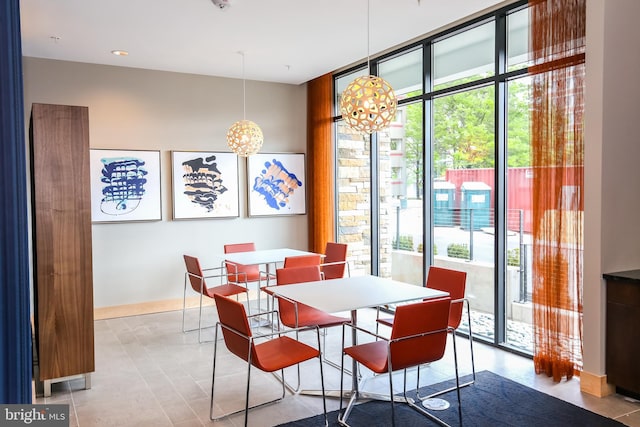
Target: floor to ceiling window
400,173
446,183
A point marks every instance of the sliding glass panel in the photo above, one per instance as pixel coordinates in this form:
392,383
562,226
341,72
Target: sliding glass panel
403,73
518,40
464,57
342,83
400,188
519,182
463,196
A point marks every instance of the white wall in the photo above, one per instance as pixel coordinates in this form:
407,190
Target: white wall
621,137
612,150
152,110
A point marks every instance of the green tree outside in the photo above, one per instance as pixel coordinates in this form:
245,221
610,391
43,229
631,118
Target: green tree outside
464,132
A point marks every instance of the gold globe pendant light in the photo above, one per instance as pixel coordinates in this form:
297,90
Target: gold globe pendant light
244,137
368,104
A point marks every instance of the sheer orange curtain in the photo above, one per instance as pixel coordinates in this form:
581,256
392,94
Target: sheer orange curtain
320,168
557,42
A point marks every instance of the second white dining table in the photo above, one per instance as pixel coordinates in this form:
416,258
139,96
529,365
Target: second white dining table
267,257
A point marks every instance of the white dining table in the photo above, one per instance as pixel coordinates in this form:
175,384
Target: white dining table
351,294
270,258
266,257
263,256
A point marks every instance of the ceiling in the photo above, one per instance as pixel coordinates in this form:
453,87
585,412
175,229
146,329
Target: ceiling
285,41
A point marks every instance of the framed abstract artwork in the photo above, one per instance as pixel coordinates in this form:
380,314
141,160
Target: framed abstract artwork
125,185
277,184
205,185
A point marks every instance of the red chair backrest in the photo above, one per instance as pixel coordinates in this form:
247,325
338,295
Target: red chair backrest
427,317
196,278
232,314
302,260
252,271
291,275
454,282
334,252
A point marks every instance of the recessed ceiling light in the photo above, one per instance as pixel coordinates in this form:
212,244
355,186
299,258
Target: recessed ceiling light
120,52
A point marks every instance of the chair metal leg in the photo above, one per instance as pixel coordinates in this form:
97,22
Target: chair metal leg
328,361
246,406
393,404
184,301
411,403
342,416
324,399
293,390
184,310
473,366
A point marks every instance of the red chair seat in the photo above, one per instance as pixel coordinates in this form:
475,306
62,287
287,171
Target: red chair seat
226,290
372,355
279,353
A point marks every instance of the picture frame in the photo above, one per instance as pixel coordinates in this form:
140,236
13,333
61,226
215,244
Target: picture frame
204,185
276,184
125,185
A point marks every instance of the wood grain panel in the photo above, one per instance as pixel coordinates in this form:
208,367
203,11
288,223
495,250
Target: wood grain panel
622,337
63,272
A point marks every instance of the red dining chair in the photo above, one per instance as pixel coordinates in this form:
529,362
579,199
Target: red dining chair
197,276
302,260
418,336
296,315
335,261
246,274
298,261
454,282
293,261
276,352
293,314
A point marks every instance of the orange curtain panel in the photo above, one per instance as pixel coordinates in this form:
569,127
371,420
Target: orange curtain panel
557,45
320,166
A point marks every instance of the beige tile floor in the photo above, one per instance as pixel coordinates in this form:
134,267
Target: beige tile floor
149,373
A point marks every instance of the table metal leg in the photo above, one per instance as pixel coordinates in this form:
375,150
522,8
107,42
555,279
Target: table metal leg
354,394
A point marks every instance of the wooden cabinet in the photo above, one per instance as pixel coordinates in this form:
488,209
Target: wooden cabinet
623,331
62,258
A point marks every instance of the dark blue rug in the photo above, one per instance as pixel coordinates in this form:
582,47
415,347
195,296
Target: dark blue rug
492,401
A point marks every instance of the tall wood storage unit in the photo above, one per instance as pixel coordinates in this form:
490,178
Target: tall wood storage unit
623,335
63,274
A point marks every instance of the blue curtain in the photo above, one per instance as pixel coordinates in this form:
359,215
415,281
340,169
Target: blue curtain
15,324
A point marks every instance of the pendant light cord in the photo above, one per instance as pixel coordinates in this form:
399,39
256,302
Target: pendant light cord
368,25
244,91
